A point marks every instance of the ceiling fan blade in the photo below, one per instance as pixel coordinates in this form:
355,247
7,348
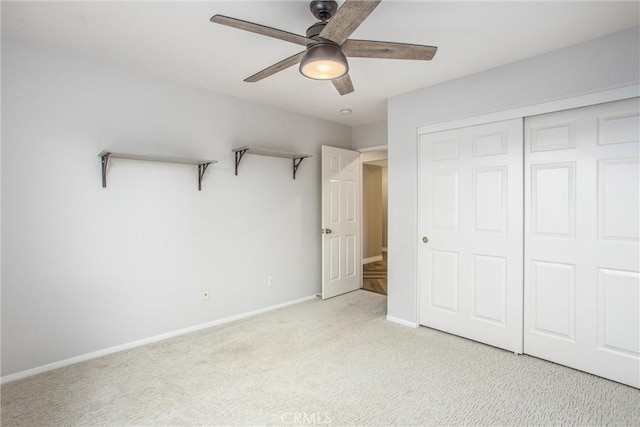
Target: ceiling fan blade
275,68
343,84
388,50
261,29
347,19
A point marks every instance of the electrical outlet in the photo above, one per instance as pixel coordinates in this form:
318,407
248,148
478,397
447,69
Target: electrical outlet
270,281
205,295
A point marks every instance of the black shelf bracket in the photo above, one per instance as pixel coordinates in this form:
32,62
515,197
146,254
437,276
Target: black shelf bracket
105,162
202,168
239,155
296,163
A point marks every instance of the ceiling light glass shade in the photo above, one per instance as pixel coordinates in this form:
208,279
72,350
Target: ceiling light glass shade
323,61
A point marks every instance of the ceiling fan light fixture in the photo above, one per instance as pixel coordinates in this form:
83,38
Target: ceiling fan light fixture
324,61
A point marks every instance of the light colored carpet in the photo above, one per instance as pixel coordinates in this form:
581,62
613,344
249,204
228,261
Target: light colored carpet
333,362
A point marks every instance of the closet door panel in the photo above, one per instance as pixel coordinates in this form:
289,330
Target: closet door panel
471,221
582,258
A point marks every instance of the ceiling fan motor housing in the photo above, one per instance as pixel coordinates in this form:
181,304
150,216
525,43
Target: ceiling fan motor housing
323,9
323,59
313,32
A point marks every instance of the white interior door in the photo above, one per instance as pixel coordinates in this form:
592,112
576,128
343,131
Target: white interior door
470,210
582,300
341,257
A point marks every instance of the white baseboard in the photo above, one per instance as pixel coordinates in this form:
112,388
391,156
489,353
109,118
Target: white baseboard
402,322
372,259
138,343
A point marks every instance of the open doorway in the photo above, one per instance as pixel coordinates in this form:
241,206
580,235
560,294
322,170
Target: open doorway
374,215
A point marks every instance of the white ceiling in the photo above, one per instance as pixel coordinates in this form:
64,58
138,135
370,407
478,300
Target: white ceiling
176,41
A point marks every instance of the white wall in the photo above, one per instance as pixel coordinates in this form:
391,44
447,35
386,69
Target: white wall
87,268
369,135
600,64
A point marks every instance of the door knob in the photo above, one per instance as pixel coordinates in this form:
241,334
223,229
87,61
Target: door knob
327,231
425,239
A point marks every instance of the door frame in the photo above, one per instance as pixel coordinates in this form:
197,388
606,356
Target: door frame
600,97
366,150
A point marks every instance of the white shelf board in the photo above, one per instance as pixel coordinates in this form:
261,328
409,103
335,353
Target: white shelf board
259,151
156,158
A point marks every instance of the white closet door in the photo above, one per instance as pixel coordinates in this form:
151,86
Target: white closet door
471,213
582,301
